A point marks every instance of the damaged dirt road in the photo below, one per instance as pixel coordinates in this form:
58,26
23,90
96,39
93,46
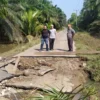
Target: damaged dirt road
44,73
42,70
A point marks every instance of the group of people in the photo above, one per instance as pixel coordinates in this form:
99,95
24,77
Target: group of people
48,37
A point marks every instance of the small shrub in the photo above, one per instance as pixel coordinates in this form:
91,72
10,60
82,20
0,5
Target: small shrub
84,94
93,67
85,42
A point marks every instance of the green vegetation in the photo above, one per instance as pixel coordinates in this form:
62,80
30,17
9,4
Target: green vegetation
84,93
73,20
85,42
19,18
93,67
89,18
18,48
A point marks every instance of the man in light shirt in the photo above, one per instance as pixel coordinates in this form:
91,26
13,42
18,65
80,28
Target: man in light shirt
52,37
70,36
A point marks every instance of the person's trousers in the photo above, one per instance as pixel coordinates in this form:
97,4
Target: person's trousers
51,44
70,44
44,40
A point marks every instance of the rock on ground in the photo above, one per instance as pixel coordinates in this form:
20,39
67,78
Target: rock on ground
4,75
67,74
44,69
10,69
47,81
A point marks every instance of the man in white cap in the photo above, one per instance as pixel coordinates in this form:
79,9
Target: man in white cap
52,37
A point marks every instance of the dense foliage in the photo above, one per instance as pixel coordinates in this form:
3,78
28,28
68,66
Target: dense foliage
24,17
89,18
73,20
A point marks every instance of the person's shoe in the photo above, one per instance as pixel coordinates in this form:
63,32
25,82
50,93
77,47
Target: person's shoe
70,50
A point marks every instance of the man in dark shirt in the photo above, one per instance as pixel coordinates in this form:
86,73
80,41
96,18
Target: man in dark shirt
44,38
70,36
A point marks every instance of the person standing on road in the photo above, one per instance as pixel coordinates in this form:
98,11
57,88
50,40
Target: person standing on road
44,38
52,37
70,36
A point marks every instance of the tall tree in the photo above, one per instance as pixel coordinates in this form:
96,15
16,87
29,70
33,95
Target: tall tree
89,18
20,16
9,20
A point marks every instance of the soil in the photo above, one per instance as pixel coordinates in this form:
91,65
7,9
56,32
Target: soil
65,72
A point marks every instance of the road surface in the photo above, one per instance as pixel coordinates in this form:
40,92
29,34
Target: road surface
60,47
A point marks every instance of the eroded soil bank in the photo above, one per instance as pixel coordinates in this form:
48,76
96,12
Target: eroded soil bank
34,73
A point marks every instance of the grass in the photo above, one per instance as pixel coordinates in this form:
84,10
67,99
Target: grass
93,67
20,48
85,42
84,92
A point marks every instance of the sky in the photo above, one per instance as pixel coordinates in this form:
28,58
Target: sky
69,6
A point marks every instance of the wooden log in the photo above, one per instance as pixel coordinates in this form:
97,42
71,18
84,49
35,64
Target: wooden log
16,63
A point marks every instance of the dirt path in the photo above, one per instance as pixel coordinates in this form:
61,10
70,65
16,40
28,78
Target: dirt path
60,46
44,72
60,49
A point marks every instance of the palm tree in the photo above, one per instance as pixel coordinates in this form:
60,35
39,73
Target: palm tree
10,21
89,13
29,18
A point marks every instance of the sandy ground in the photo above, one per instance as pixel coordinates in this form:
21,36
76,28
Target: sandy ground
59,46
